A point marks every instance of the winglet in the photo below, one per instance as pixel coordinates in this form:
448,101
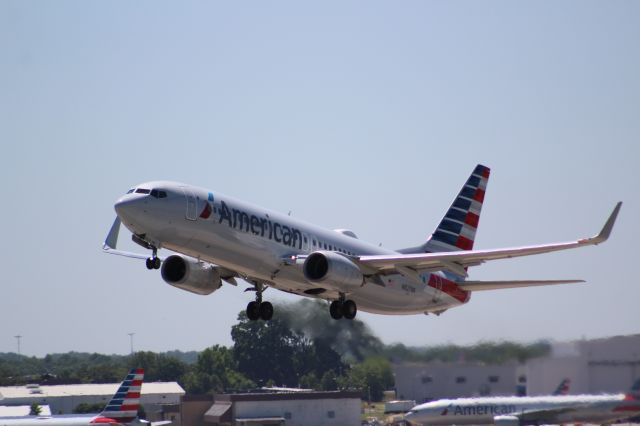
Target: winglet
608,226
110,243
112,238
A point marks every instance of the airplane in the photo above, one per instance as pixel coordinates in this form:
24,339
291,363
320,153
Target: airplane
527,410
218,238
122,409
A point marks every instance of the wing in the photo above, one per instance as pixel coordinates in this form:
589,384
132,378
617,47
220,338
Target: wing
110,243
457,262
541,416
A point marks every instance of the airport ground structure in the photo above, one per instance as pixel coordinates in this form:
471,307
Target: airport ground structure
167,401
160,400
608,365
274,408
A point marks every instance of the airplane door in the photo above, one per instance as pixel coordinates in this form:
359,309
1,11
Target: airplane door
191,213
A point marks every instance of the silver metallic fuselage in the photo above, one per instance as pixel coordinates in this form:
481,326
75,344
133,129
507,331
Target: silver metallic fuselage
259,244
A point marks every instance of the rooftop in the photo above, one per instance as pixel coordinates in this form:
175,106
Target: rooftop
104,389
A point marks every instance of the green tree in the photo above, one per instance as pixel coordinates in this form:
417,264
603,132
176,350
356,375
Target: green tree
35,409
216,371
268,350
373,376
169,368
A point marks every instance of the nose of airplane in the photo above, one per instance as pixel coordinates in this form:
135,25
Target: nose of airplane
128,206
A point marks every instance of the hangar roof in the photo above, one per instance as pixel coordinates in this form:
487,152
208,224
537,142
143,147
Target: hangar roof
105,389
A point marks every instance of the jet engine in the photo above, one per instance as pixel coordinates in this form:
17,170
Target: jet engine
506,421
190,275
331,269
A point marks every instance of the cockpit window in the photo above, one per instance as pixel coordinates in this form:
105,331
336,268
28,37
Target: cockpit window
158,193
142,191
131,190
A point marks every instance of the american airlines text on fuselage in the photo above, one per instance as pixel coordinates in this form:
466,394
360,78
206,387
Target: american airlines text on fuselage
265,227
479,410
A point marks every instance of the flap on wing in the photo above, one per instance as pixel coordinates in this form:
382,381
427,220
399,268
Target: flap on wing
497,285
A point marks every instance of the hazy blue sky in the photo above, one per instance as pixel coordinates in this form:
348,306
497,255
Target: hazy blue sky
362,115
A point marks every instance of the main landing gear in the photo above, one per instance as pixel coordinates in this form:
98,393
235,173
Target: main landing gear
259,309
154,261
343,308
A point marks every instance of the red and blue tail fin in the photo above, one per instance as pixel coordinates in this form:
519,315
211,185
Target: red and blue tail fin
634,393
457,230
563,387
123,407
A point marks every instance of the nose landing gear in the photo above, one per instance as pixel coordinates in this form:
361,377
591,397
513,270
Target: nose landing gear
154,261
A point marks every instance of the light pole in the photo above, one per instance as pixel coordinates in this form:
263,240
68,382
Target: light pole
131,340
18,337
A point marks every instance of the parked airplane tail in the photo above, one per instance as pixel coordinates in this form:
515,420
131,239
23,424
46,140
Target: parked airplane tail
124,405
563,387
634,393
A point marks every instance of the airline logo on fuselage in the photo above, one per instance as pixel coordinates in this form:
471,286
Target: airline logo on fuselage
480,410
262,226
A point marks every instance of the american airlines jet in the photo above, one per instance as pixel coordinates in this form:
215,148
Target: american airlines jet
218,238
533,410
122,409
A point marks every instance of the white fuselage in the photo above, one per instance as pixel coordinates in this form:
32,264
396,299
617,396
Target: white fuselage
48,421
530,410
263,245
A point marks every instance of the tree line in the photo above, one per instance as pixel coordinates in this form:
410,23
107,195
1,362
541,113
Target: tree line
300,347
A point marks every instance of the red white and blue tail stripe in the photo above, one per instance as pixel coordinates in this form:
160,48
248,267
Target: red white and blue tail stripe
123,407
457,230
563,388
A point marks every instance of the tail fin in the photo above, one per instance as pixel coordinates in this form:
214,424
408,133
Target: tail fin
457,230
634,393
563,387
123,407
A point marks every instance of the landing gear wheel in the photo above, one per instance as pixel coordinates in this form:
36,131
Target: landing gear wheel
349,309
253,311
335,309
266,311
156,263
150,263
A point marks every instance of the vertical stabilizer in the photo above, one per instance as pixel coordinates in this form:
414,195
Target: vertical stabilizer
123,407
457,230
634,393
563,388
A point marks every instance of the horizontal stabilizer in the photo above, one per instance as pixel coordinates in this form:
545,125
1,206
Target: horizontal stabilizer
498,285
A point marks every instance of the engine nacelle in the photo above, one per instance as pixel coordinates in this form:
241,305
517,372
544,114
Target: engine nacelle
330,269
190,275
506,421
